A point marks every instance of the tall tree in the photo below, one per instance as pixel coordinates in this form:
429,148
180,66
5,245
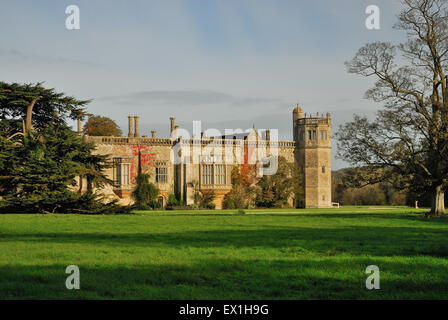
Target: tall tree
40,156
410,134
101,126
242,194
37,176
36,106
279,189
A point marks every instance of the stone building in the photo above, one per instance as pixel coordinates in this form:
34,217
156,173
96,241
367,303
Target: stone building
183,166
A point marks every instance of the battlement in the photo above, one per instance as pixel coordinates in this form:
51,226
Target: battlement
129,140
318,119
191,141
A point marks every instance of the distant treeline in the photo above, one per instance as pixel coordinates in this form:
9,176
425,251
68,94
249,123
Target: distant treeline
375,194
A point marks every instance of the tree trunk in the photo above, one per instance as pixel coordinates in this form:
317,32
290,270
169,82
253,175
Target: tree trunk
80,183
438,203
89,184
29,114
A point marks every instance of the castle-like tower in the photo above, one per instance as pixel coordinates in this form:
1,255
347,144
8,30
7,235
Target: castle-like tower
313,155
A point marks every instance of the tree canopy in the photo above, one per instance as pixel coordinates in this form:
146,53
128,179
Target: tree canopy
46,105
279,189
101,126
41,157
39,175
282,189
409,137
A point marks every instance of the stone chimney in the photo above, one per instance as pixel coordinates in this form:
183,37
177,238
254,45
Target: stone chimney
79,125
172,124
131,127
153,134
268,135
137,129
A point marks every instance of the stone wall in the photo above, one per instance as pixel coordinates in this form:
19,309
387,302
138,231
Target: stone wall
313,156
143,154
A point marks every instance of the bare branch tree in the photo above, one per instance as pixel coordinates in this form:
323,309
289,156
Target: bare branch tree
410,135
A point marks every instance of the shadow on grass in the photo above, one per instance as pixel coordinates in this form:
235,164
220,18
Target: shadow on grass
353,240
229,279
331,215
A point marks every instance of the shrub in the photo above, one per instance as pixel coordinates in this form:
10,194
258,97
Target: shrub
239,197
172,201
145,193
229,203
204,200
156,205
174,204
183,207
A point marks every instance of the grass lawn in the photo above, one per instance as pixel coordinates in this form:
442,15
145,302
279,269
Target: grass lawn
263,254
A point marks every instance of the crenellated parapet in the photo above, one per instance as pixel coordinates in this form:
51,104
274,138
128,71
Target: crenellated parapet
129,141
315,120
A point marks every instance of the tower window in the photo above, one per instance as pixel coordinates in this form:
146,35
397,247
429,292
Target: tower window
314,135
323,197
323,169
323,135
309,134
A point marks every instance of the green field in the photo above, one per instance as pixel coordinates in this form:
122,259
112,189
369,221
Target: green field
263,254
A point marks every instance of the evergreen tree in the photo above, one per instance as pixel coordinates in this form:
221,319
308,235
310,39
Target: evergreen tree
40,156
145,193
36,106
39,175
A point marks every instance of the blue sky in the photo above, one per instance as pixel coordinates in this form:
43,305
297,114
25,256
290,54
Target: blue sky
229,63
